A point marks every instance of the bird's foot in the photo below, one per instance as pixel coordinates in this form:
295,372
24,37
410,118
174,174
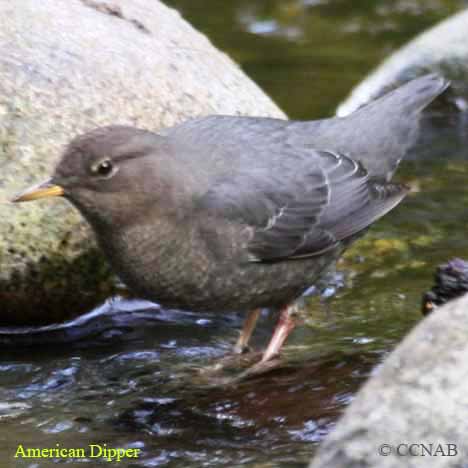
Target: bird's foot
244,363
286,323
242,345
241,349
229,369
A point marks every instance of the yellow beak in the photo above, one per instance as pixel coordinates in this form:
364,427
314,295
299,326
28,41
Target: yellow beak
43,190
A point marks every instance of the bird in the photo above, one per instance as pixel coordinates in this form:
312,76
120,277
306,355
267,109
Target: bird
239,213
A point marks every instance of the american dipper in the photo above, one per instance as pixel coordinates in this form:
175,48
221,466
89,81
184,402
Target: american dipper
238,213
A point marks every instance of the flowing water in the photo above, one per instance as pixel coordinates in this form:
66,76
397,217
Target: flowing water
133,375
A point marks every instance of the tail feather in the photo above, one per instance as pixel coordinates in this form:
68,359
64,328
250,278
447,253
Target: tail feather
390,125
411,97
379,134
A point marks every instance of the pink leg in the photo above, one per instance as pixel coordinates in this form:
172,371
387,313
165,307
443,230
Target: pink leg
247,330
284,327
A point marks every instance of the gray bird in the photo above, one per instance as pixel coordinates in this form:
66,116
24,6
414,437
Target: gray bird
227,213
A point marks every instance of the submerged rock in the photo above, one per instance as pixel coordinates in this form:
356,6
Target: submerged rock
413,406
66,67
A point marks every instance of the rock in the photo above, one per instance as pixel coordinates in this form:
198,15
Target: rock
66,67
451,281
419,395
442,49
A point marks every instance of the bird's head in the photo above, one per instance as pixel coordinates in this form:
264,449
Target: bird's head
111,174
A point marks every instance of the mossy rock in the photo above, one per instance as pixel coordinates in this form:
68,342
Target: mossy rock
67,67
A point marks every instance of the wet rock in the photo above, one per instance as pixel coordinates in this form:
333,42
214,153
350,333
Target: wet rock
451,281
66,67
416,398
442,49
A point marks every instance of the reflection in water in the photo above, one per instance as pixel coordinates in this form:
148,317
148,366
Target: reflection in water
132,375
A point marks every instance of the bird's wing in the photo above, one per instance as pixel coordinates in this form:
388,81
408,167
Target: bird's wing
302,210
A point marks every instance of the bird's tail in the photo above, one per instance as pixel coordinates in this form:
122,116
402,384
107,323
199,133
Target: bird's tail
390,125
410,98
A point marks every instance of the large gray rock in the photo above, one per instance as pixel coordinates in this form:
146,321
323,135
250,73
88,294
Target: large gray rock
68,66
442,49
419,395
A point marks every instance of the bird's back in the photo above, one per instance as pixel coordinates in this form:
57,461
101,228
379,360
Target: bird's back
377,135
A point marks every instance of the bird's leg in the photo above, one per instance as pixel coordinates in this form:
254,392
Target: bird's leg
285,325
247,330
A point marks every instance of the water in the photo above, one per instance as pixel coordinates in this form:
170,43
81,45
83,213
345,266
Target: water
308,54
135,376
137,380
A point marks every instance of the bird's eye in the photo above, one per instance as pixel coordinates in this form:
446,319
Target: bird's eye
103,168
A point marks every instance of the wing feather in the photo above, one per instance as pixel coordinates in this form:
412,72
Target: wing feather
305,209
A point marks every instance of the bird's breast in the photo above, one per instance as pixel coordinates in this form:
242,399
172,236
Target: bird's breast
180,270
162,263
